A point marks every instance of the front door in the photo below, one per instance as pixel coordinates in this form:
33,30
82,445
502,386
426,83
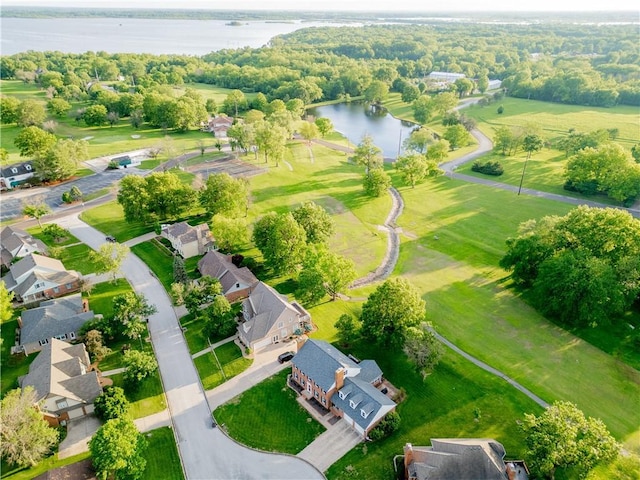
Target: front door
275,338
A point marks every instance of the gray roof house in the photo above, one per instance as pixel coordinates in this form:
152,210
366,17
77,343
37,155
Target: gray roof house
37,277
188,241
270,318
13,175
462,459
342,385
64,383
236,282
16,243
60,318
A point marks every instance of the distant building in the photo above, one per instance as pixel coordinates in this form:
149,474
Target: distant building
189,241
461,459
218,125
16,243
446,77
494,84
16,174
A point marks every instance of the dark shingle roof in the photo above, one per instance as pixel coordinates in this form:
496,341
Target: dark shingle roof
217,265
319,360
366,397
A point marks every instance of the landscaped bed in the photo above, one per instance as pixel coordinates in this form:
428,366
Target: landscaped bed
284,425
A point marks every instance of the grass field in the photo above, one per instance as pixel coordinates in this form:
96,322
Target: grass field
147,400
49,463
158,258
109,219
231,361
288,431
162,456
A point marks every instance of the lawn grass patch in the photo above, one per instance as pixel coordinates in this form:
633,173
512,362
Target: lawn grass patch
192,327
75,257
288,431
13,366
36,232
50,463
158,258
101,296
147,400
109,219
209,371
230,359
162,456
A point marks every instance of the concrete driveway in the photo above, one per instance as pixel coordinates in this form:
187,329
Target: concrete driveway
206,452
79,432
331,446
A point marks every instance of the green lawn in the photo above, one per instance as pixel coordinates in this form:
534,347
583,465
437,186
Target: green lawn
158,258
196,340
13,366
288,431
147,400
37,233
109,219
49,463
75,257
101,295
231,360
162,456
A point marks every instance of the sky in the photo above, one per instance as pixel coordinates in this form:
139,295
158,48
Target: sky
349,5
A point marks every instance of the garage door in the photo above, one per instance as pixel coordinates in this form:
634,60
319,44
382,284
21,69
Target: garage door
353,424
262,343
75,413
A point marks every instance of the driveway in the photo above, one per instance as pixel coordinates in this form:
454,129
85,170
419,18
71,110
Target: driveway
206,452
331,446
79,432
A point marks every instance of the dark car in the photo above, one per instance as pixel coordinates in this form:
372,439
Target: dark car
285,357
110,238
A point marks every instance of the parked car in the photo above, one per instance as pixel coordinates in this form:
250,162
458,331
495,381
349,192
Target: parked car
285,357
110,238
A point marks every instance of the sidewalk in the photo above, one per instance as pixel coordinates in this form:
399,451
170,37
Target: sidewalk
214,346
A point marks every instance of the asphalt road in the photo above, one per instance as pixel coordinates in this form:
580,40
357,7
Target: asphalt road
206,452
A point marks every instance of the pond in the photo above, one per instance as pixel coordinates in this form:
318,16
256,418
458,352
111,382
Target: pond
356,119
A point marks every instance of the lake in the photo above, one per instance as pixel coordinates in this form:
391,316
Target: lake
356,119
138,35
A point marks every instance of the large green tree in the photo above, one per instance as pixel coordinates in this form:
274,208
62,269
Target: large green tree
132,310
30,112
415,168
33,141
117,451
367,154
376,182
108,258
231,234
61,160
324,273
422,348
25,437
6,309
36,210
112,403
457,136
138,366
562,437
376,92
317,223
225,195
390,310
281,240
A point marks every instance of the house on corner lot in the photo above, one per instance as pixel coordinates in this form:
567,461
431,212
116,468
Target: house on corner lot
270,318
188,241
36,277
16,243
462,459
237,283
341,385
14,175
219,126
60,318
64,383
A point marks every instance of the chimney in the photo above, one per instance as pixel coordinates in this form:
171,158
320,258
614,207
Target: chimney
300,341
339,378
408,457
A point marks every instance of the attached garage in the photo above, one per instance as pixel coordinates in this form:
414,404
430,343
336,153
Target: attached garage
262,343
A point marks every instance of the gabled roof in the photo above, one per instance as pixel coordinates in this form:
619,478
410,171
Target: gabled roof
53,318
58,370
366,398
186,233
17,169
459,458
217,265
13,240
53,279
264,308
35,261
319,361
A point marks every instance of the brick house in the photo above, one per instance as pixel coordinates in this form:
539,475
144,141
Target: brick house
269,318
36,277
64,383
341,385
237,283
462,459
16,243
61,318
188,241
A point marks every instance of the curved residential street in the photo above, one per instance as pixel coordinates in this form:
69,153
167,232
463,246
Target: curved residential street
206,452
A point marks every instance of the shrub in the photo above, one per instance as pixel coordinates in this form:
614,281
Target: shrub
111,404
488,168
386,427
500,109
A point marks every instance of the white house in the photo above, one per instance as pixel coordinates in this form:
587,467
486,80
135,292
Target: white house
14,175
188,241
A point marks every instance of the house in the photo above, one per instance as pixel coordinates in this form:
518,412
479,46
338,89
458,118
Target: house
462,459
36,277
16,243
270,318
237,283
60,318
64,383
188,241
14,175
445,77
219,125
341,385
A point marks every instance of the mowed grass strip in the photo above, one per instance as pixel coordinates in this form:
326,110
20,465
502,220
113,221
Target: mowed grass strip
109,219
76,257
148,399
269,418
158,258
231,361
162,456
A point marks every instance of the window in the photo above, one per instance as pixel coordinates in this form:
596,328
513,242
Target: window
302,382
308,386
295,375
72,335
363,414
353,404
56,289
61,337
69,286
316,394
44,342
14,170
280,324
28,167
324,401
342,395
62,404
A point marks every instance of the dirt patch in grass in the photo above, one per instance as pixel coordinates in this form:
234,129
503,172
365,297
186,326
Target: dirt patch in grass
82,470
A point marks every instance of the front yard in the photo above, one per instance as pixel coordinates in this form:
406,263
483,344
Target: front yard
269,418
231,361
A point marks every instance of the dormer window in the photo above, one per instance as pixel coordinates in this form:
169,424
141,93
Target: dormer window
14,170
363,414
27,167
342,395
353,404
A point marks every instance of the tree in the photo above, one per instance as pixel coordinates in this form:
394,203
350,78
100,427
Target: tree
240,135
234,103
94,343
422,348
179,270
635,152
25,437
134,198
136,118
483,83
324,273
457,136
36,210
562,437
419,140
61,160
324,125
225,195
348,328
220,321
309,131
117,450
281,240
201,292
6,297
211,106
445,101
58,107
503,139
230,233
73,195
438,151
390,310
376,182
108,258
415,168
423,108
410,93
30,112
367,154
113,118
9,109
531,143
33,141
389,424
317,223
376,92
131,310
138,366
95,115
112,403
463,86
